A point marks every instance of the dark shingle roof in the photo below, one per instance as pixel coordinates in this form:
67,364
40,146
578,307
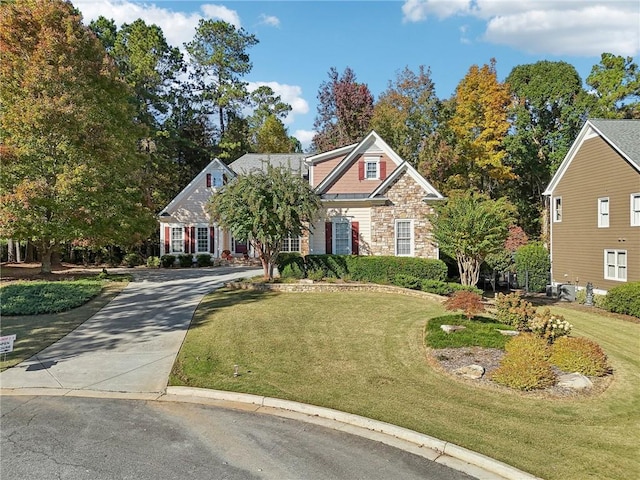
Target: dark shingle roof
257,161
624,134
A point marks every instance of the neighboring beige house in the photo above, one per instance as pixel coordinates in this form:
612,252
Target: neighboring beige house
594,200
374,203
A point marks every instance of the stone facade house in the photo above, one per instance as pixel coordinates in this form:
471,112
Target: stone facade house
594,201
373,203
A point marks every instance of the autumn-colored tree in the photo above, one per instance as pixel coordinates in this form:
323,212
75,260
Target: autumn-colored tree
344,111
469,302
616,86
219,60
549,106
264,208
470,226
272,137
479,123
70,158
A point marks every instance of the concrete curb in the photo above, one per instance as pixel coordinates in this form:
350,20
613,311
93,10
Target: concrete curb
443,452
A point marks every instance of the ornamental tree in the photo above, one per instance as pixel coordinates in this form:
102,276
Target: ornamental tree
70,161
469,227
264,208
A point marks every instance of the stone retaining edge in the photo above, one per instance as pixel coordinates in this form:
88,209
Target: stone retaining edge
439,446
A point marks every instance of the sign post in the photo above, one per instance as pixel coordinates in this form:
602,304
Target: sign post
6,345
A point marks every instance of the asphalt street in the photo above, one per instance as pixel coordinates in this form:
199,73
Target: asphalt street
76,438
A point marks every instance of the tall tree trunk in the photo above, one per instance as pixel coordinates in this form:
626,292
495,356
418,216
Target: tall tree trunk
47,248
29,254
11,251
18,252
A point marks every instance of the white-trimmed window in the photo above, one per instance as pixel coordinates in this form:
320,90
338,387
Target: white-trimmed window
371,168
603,212
202,239
557,209
404,237
635,209
615,265
177,239
341,236
290,244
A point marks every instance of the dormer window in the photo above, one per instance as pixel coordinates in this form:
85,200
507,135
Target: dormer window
214,179
371,170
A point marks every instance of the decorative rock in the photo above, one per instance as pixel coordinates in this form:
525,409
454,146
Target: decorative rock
305,281
473,372
509,333
575,380
452,328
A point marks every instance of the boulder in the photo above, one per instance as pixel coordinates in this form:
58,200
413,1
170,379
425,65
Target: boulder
452,328
575,380
473,372
509,333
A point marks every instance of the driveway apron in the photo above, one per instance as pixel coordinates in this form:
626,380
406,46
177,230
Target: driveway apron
131,344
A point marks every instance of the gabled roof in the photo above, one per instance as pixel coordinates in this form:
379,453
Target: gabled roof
250,162
430,191
351,157
198,180
622,135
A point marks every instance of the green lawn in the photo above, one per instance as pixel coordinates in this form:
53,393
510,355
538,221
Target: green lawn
36,332
364,353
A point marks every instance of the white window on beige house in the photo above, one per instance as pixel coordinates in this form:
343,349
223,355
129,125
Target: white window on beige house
290,244
177,240
557,209
202,239
603,212
404,238
341,236
615,265
635,209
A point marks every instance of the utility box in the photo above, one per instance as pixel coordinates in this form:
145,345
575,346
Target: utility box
567,292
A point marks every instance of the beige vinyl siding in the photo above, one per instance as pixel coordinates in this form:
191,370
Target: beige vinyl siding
362,215
578,244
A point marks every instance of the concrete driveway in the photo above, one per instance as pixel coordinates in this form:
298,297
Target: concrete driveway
130,345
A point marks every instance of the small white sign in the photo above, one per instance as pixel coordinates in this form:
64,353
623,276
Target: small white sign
6,343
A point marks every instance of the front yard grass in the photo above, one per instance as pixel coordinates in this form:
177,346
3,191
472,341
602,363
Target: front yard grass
364,353
36,332
479,331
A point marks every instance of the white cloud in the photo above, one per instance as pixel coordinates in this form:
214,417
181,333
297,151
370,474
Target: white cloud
291,94
269,20
178,27
576,27
305,137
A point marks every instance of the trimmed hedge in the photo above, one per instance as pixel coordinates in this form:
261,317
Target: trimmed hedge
624,299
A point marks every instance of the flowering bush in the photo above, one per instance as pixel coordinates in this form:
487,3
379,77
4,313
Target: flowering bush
513,310
549,326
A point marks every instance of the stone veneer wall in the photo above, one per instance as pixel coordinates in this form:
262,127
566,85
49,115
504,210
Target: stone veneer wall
405,196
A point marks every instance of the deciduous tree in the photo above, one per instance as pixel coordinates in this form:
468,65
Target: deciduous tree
264,208
344,114
469,227
70,158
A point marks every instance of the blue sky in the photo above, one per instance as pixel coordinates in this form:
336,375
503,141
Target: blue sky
301,40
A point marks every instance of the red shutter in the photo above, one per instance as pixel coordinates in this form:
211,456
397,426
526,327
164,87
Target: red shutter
355,238
167,240
361,170
208,180
193,239
186,240
328,237
383,170
211,238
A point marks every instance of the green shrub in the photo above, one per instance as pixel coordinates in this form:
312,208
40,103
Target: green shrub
407,281
332,266
525,365
167,261
437,287
153,262
185,260
581,298
132,260
624,299
549,326
532,266
458,287
290,265
524,373
38,297
513,310
204,260
577,354
384,269
316,274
